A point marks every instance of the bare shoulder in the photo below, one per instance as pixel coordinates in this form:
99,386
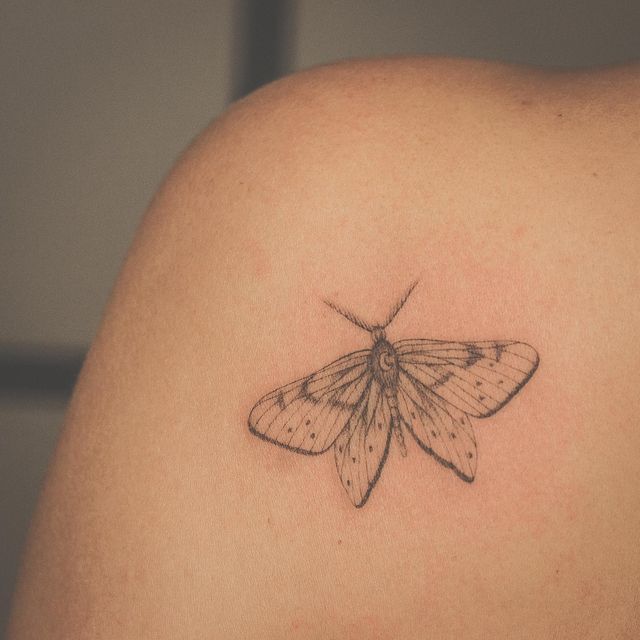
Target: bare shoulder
511,194
434,131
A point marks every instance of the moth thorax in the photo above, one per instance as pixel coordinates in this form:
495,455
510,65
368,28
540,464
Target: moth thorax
384,362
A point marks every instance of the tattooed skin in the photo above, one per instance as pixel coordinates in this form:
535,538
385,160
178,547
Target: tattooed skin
358,403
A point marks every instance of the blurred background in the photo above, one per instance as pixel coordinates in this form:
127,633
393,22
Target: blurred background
98,100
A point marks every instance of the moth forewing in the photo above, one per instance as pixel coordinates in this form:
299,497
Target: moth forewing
307,416
478,378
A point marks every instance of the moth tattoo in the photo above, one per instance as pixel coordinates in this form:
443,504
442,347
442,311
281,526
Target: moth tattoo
428,388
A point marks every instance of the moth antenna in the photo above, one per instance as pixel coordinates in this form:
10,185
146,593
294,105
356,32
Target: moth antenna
351,317
394,311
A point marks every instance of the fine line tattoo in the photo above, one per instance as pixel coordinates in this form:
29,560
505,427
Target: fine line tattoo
429,387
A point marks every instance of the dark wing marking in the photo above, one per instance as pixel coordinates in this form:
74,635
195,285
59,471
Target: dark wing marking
477,378
362,448
308,415
440,429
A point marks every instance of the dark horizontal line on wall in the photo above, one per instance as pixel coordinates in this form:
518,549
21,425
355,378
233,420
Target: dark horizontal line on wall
39,372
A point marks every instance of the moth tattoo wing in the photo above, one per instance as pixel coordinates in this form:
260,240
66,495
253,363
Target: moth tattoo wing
362,447
307,415
440,429
442,383
478,378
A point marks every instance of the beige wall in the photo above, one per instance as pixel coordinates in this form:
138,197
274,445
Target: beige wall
544,32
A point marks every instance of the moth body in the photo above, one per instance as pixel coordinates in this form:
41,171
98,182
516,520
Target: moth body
385,368
384,363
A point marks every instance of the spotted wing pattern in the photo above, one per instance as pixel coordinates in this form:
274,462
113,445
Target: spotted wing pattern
440,429
477,378
308,415
362,448
442,383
